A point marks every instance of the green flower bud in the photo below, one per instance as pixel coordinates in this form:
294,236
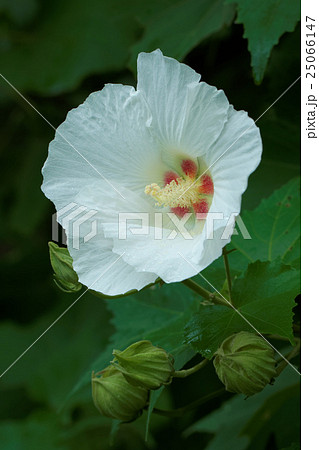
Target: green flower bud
64,275
145,365
114,397
245,363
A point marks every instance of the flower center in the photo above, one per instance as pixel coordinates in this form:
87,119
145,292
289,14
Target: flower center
184,193
180,192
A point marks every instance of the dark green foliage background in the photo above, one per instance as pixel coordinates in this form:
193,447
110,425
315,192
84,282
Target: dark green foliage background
56,53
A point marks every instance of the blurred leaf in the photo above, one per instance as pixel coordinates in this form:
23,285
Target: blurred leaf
293,446
87,38
280,160
274,227
264,296
70,41
29,206
48,370
273,417
182,25
19,11
264,23
239,421
39,431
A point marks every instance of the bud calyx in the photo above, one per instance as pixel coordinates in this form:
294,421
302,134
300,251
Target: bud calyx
245,363
144,365
114,397
64,275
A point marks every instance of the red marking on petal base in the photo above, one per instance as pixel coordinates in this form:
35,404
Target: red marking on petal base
180,211
207,185
169,177
201,207
189,168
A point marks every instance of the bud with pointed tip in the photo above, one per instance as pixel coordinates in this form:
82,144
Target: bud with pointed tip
245,363
145,365
114,397
64,275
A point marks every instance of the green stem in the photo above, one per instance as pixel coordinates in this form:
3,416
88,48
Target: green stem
228,276
180,411
100,372
230,251
186,372
205,293
294,352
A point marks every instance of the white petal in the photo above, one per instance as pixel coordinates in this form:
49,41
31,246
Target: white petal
142,251
221,236
172,260
106,138
234,156
104,271
187,115
93,260
162,256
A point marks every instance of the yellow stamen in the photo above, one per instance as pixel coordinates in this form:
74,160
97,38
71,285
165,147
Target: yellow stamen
181,193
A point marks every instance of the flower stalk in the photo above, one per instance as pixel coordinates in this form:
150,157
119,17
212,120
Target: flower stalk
178,412
207,295
186,372
294,352
228,276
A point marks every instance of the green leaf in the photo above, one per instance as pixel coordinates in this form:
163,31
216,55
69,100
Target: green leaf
64,274
274,227
264,23
247,423
154,396
182,25
264,296
265,280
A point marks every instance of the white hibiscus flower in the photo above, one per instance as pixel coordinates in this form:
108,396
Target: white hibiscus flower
173,145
